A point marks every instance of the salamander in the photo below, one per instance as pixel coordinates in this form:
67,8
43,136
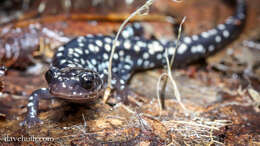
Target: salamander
78,72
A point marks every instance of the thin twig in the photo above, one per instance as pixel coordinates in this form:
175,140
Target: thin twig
169,64
178,39
161,106
162,95
174,85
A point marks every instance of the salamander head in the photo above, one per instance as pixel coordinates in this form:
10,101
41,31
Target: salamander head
74,84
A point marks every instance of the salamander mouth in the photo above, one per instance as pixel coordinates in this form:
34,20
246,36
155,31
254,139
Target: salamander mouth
87,97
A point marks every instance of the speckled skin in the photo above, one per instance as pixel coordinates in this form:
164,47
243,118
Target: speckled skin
78,72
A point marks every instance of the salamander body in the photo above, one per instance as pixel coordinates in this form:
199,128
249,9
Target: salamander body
78,72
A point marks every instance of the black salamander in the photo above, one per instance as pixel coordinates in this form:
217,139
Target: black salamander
78,72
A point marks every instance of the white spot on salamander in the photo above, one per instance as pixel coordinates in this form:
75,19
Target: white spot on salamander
213,32
121,53
218,39
127,44
115,56
205,34
78,50
127,67
172,50
61,48
183,48
86,51
30,98
99,43
91,47
211,48
221,26
107,47
146,63
139,62
226,34
63,85
81,44
198,49
108,40
105,55
93,61
195,37
159,56
187,40
146,56
136,48
30,104
59,54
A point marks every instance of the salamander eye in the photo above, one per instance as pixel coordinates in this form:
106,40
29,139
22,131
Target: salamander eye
87,82
49,75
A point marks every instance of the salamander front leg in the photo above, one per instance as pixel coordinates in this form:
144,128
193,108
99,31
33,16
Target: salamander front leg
31,118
